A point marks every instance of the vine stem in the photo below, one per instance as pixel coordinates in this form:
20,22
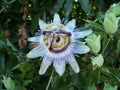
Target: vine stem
49,80
106,45
98,75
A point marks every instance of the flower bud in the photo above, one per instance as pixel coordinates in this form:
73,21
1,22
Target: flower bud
115,8
110,23
93,42
98,60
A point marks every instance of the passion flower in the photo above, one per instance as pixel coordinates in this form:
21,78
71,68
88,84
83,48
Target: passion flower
57,44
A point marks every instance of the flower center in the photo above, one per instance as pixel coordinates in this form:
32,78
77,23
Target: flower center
56,38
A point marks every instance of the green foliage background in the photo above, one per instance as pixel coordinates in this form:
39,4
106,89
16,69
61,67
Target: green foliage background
17,72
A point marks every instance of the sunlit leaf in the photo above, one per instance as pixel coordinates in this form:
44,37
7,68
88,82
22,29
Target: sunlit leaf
109,87
91,87
8,83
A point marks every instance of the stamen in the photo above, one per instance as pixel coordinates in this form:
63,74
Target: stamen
63,32
58,39
69,34
45,32
53,37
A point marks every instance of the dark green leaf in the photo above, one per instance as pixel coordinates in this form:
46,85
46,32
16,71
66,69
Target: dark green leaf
94,24
91,87
68,7
58,6
2,44
85,5
11,45
2,62
118,46
0,83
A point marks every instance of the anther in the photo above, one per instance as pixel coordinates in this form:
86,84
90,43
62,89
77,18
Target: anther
44,32
58,39
50,48
69,34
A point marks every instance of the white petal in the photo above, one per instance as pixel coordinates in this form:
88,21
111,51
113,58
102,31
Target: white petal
60,67
71,60
37,51
42,24
80,48
34,39
56,19
71,24
82,34
44,65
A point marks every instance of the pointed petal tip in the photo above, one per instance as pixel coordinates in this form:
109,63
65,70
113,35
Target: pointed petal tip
59,67
44,66
56,18
34,39
56,14
28,55
42,24
31,39
60,74
90,31
74,65
77,70
41,73
71,24
73,20
82,34
60,71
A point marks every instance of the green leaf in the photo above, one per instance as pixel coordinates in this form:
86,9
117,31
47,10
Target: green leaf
94,24
109,87
11,45
91,87
118,46
12,61
115,8
106,70
2,44
27,82
2,62
0,83
93,42
58,5
97,60
34,25
85,5
68,7
8,83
